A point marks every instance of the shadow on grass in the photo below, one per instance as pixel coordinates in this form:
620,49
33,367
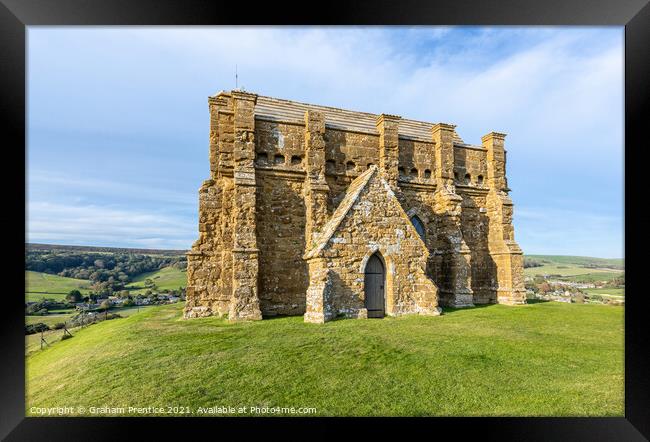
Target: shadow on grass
334,319
277,317
447,310
450,310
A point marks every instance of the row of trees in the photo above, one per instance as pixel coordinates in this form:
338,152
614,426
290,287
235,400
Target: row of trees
103,269
75,296
528,262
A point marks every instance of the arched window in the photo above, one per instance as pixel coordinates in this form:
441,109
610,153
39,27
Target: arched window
414,172
349,165
427,173
468,178
279,159
480,180
419,226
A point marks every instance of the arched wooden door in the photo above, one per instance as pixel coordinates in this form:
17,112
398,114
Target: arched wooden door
374,287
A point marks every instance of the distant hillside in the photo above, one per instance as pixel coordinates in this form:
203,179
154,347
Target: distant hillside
166,278
106,269
42,285
583,269
581,261
165,252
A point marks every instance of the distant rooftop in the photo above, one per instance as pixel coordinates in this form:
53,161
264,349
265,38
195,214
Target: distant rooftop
277,109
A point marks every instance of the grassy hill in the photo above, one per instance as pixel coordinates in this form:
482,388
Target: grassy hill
166,278
33,341
42,285
540,359
576,268
612,263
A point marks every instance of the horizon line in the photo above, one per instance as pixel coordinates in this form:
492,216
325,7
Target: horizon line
187,250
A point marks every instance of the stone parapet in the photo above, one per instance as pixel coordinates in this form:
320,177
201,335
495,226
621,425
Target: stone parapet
496,160
388,127
443,137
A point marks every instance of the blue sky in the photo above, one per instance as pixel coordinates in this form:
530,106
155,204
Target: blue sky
118,118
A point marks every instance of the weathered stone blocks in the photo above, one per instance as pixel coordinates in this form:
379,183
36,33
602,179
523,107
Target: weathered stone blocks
300,196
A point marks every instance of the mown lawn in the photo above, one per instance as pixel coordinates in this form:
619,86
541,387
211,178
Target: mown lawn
540,359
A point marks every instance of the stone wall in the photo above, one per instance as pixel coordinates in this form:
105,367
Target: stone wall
470,167
276,178
416,161
283,277
374,222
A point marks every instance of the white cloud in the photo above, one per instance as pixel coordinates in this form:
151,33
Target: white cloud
95,225
556,92
550,85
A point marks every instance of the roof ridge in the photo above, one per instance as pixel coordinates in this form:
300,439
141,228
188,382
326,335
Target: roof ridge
409,127
354,190
317,105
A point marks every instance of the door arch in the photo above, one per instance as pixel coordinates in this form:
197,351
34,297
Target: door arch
374,282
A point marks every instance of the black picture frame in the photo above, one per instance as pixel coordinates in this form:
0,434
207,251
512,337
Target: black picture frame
15,15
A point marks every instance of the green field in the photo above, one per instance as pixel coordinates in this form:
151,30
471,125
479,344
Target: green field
167,278
572,268
542,359
50,319
615,263
39,286
593,277
43,285
605,292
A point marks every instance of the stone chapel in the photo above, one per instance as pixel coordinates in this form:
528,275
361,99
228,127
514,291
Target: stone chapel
324,212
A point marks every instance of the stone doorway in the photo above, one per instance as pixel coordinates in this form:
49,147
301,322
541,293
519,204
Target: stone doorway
374,281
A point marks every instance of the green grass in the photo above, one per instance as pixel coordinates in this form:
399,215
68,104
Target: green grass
33,342
43,285
593,277
612,292
48,320
616,263
166,278
568,270
540,359
572,268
